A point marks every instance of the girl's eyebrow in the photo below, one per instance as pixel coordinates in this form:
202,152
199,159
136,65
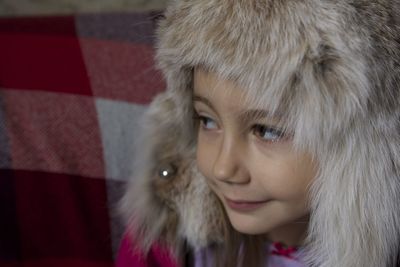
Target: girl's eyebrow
204,101
251,114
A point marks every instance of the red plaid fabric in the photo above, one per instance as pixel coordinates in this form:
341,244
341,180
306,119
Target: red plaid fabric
71,90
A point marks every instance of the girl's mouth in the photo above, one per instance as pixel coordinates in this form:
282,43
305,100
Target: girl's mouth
244,205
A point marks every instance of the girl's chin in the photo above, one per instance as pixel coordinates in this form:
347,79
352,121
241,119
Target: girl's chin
247,224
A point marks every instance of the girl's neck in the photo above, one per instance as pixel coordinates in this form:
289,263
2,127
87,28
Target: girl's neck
292,234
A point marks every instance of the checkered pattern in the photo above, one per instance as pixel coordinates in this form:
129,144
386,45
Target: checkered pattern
71,90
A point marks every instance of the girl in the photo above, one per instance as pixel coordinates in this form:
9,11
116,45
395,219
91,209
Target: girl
277,141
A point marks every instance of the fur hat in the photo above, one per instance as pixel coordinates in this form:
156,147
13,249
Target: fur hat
332,69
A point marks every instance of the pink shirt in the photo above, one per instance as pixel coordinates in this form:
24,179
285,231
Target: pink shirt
160,257
128,256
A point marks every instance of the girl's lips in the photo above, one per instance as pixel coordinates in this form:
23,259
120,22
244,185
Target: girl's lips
241,205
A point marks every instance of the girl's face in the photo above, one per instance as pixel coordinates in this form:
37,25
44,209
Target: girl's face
249,163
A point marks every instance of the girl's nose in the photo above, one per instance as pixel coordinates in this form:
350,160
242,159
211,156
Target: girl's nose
228,164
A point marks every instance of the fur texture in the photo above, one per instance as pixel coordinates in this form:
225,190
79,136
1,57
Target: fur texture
172,209
332,69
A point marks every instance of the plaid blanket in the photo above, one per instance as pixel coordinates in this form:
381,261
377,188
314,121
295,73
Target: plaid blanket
71,90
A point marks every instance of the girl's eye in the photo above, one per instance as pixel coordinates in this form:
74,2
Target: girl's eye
206,123
268,133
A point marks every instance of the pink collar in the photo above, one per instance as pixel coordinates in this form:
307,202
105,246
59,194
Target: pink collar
279,249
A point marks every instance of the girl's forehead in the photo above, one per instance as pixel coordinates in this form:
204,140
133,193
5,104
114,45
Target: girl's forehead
224,95
209,85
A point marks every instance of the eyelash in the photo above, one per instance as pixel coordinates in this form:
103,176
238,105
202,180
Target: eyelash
255,129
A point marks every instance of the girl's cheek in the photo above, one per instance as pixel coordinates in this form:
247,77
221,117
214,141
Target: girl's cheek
204,157
278,151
